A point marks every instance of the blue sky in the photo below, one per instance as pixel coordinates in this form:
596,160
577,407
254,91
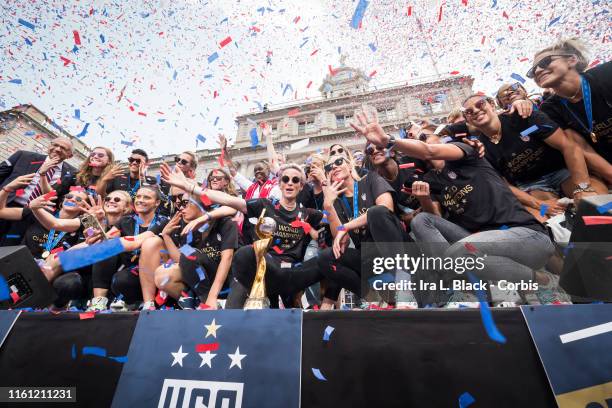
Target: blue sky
159,52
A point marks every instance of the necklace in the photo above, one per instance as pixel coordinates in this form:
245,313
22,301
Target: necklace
495,138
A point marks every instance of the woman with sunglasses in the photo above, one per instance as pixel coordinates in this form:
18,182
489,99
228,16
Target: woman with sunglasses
534,155
482,212
582,100
117,178
286,274
120,273
187,227
341,150
99,164
362,211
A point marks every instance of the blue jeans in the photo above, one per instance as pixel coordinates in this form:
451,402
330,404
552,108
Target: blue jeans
550,182
512,254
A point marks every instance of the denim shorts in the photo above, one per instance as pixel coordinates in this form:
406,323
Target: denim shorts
550,182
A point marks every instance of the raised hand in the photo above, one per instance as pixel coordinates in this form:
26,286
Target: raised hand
371,129
20,182
114,171
42,201
94,207
523,107
222,142
172,225
420,189
196,224
174,177
477,145
48,163
331,191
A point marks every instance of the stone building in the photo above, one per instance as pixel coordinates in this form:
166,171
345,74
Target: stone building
25,127
305,126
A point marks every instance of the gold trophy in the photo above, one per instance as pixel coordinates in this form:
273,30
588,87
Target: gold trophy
264,228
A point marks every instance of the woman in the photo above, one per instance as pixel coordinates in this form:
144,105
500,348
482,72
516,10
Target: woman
582,100
190,218
204,269
286,274
338,149
122,271
508,93
361,211
482,211
98,165
533,154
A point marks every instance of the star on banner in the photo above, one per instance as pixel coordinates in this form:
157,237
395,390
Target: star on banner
211,329
178,357
236,358
207,359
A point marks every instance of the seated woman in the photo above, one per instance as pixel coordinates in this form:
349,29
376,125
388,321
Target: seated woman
121,271
482,212
191,216
362,211
285,272
534,155
582,100
202,274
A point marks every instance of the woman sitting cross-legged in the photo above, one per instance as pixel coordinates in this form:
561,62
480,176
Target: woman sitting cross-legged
485,220
285,272
200,245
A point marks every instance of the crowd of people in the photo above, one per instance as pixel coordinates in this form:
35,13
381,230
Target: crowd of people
489,180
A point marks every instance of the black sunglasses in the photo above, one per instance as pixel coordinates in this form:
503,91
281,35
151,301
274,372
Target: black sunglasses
294,179
115,199
73,197
544,63
338,162
469,112
134,160
335,152
181,203
182,161
307,170
371,148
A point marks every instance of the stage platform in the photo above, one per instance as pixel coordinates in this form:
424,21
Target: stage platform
422,358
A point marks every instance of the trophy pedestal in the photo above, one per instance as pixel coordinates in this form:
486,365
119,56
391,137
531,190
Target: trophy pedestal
257,303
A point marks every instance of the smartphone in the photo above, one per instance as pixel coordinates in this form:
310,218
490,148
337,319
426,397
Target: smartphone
90,221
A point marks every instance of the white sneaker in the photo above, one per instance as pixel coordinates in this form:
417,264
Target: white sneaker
148,305
97,304
118,305
552,293
404,299
505,298
459,300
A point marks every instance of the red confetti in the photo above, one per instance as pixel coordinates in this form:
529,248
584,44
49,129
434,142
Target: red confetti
454,72
203,306
332,72
372,73
66,61
293,112
77,37
301,224
440,15
205,200
409,11
470,247
159,299
309,83
15,297
20,192
50,194
597,220
225,42
202,348
129,238
37,162
57,250
406,165
295,20
314,52
277,249
86,315
315,307
504,14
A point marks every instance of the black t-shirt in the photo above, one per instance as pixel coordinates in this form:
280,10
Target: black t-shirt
600,81
524,158
454,129
127,183
288,242
35,237
127,227
410,170
306,196
369,189
222,236
476,197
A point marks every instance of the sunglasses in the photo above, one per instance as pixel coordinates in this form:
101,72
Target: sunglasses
511,89
216,178
113,199
371,148
307,170
294,179
544,63
469,112
73,197
335,152
181,203
134,160
98,155
338,162
182,161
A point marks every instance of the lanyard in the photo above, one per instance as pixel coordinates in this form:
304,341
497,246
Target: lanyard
136,186
355,203
137,226
588,108
51,241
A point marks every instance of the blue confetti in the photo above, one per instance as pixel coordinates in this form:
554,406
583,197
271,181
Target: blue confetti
485,314
204,227
518,78
487,65
529,131
543,209
74,352
465,400
175,75
26,24
30,133
254,137
28,42
84,131
504,227
602,209
402,133
359,12
15,81
4,289
102,39
187,250
158,179
213,57
216,121
494,4
77,114
200,138
554,20
201,273
327,333
127,143
94,351
372,47
80,257
317,373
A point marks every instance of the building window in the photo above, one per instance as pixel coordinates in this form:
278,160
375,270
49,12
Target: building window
342,120
426,108
386,114
306,126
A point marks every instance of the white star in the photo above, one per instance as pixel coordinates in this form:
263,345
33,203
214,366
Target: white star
211,329
236,358
207,358
178,357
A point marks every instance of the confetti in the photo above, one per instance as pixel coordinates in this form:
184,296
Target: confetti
317,373
80,257
224,42
529,131
4,289
327,333
518,78
485,313
26,24
213,57
597,220
86,315
604,208
203,348
205,200
359,12
465,400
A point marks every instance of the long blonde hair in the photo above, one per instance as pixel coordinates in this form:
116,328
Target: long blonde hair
230,188
85,174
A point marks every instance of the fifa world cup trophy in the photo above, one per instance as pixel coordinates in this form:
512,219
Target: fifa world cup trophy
264,228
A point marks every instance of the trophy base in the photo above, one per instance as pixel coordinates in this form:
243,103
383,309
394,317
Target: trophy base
257,303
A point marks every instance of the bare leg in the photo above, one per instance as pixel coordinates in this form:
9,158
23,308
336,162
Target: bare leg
150,258
169,280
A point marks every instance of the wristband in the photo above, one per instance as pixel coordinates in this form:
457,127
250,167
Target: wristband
6,190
